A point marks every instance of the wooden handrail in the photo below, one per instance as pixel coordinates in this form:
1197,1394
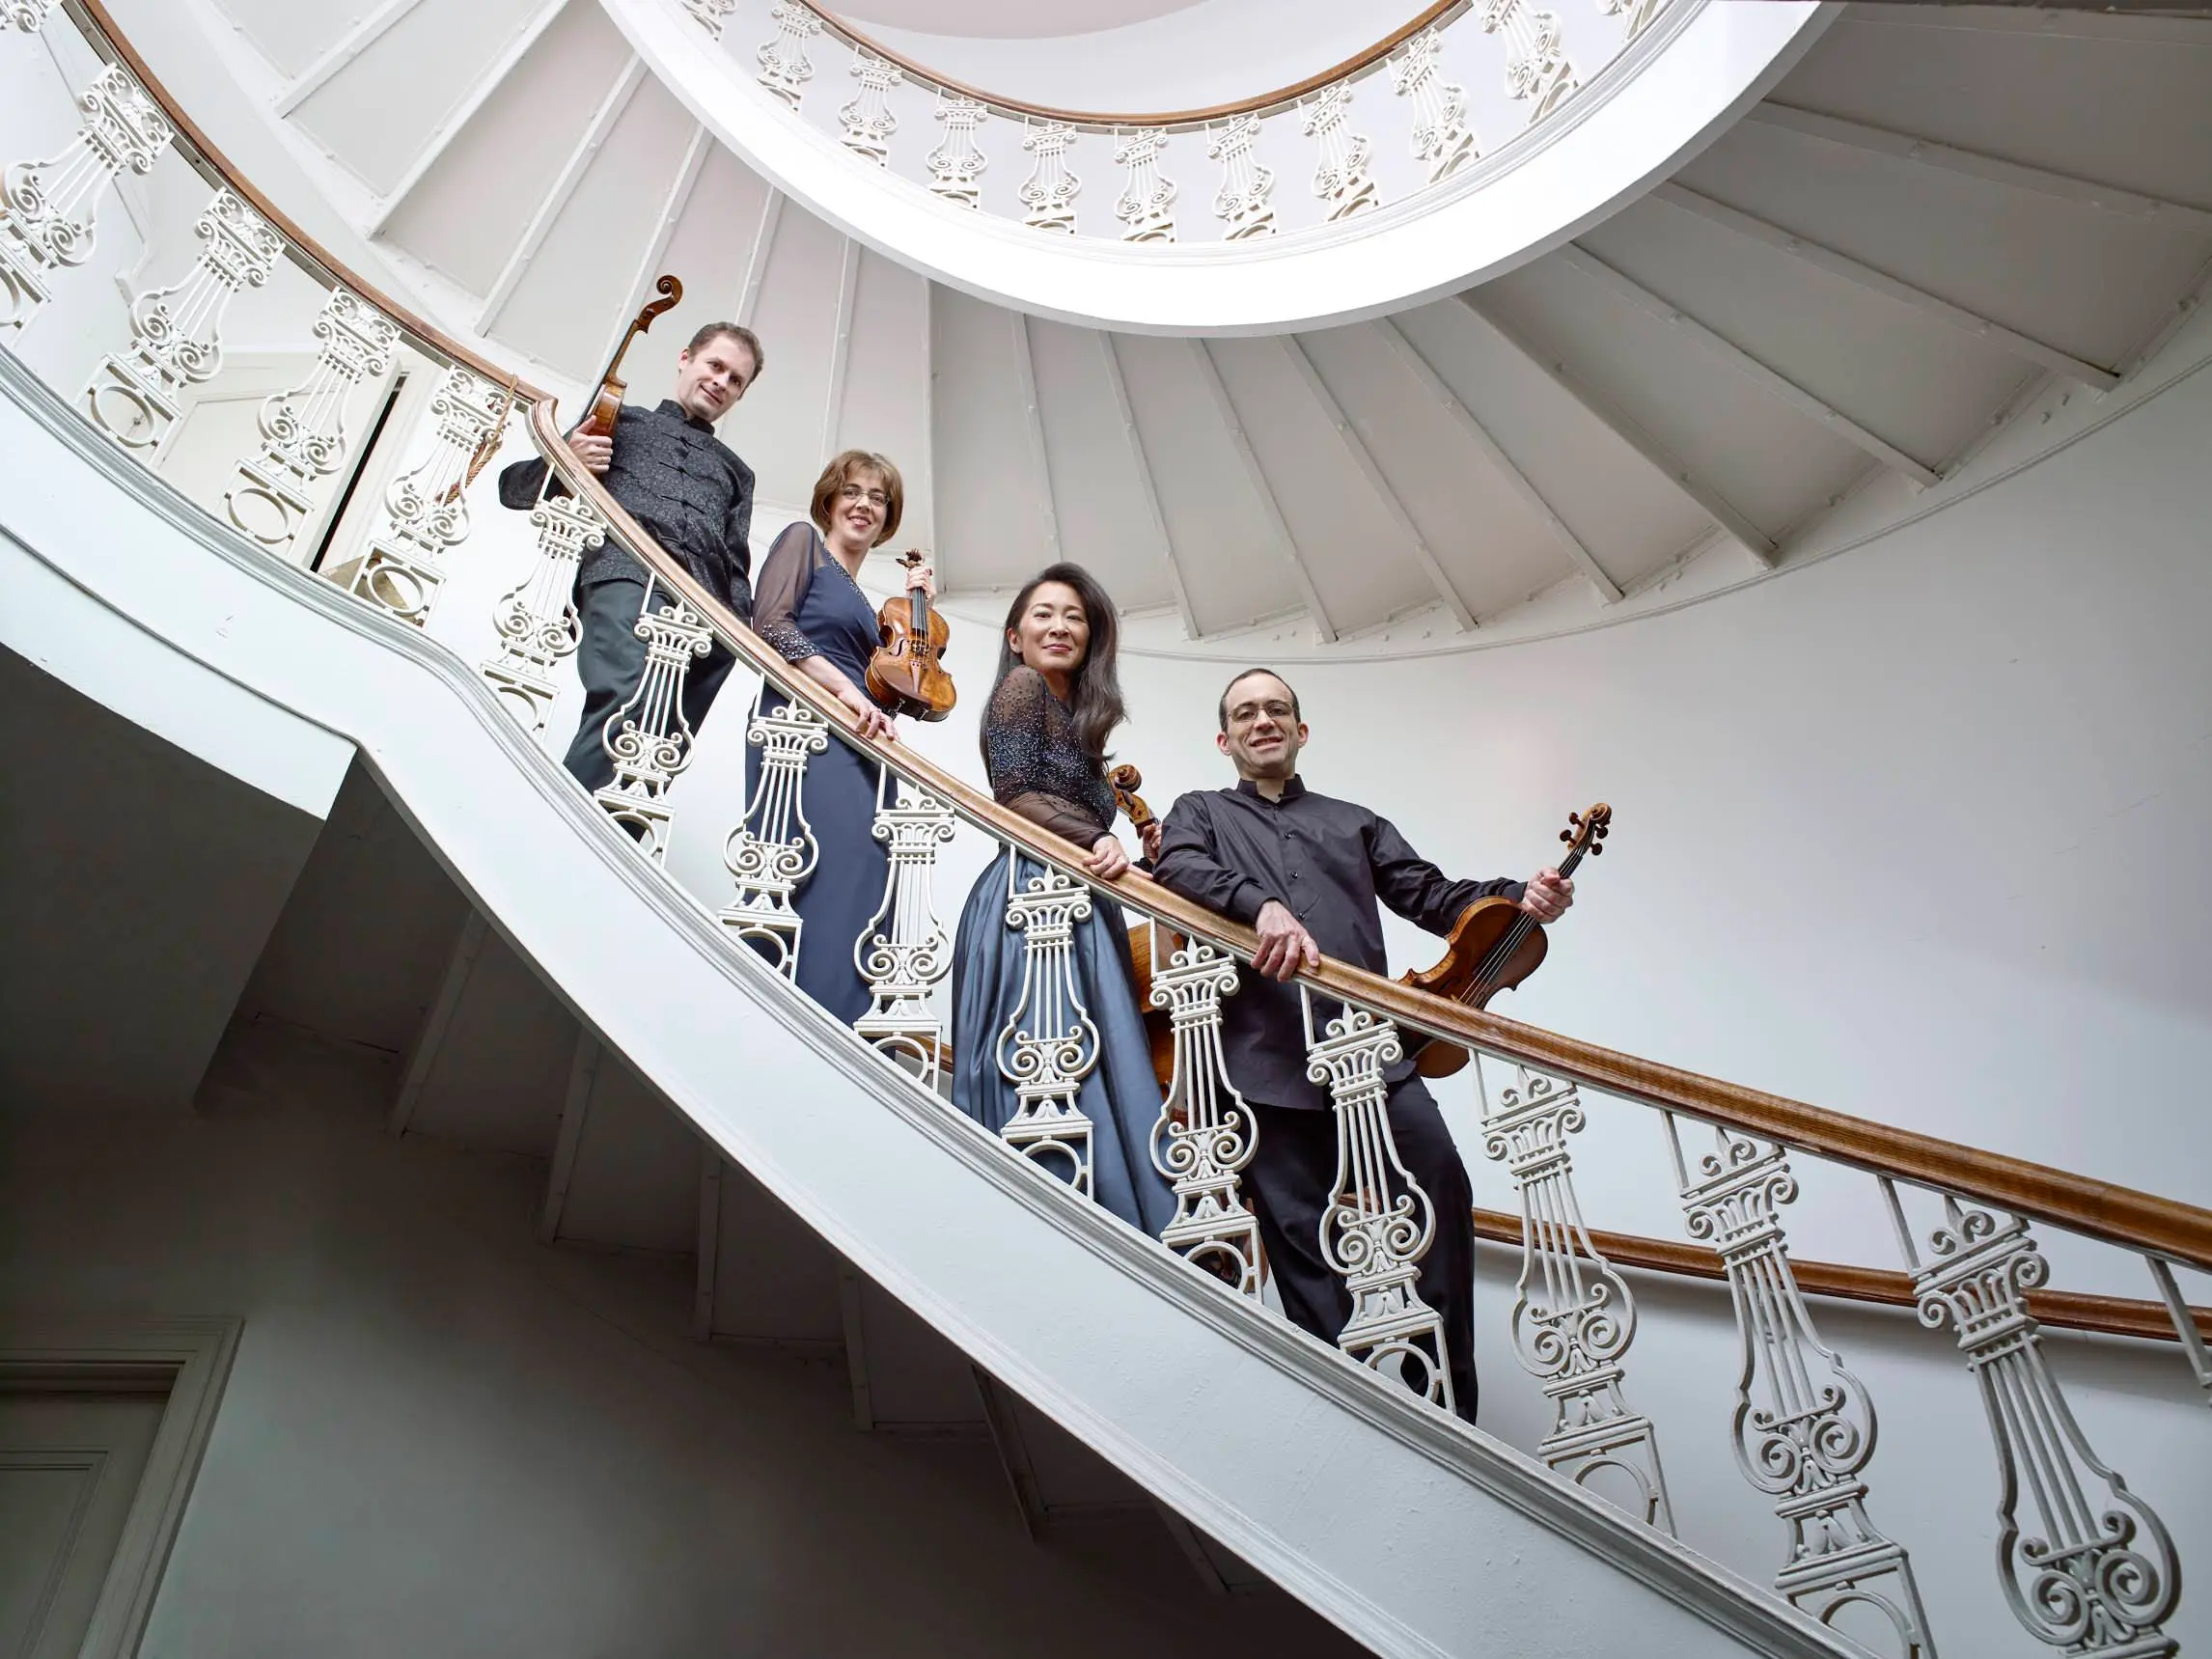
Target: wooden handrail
99,24
1290,94
2076,1311
2118,1215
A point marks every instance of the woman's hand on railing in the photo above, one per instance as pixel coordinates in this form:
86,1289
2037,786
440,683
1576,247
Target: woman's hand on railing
1109,860
871,720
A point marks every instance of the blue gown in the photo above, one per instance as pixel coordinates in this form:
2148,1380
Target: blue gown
1036,768
807,605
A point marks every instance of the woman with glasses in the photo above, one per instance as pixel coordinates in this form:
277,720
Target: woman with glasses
808,605
1055,702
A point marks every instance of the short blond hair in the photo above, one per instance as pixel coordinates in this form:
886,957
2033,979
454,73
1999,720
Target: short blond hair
839,473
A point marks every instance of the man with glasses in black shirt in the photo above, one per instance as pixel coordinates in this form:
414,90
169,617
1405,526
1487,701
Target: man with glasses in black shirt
694,496
1306,873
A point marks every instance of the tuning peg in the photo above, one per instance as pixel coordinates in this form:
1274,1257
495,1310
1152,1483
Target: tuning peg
1595,851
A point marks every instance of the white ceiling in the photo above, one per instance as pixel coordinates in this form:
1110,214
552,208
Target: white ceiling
1009,19
1810,303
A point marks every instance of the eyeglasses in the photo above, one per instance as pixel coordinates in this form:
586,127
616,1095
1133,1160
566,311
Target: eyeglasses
858,492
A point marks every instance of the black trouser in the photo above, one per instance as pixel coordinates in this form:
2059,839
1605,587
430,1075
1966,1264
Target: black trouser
1288,1181
611,660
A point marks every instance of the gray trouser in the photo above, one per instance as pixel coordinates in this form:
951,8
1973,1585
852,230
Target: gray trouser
611,661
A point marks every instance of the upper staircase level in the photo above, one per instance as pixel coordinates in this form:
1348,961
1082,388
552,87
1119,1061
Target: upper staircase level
321,560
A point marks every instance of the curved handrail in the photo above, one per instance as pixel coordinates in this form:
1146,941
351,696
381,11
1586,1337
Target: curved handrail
101,32
1359,63
2104,1210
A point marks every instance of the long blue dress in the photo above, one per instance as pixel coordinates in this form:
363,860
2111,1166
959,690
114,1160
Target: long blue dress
806,605
1037,768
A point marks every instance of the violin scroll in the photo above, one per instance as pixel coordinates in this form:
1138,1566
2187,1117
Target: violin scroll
1586,831
1127,781
607,401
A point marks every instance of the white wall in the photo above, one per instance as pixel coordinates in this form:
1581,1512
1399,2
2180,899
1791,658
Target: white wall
443,1438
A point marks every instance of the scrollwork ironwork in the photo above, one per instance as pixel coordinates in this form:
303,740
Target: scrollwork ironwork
1205,1135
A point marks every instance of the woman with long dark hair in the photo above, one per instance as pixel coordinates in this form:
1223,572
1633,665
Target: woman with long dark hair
1054,704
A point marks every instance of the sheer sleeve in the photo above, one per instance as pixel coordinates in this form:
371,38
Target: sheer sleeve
785,577
1022,728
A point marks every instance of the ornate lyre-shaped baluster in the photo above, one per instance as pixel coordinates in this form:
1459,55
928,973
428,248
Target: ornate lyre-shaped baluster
177,332
1049,1043
1442,140
773,847
48,208
956,164
536,618
2095,1575
1803,1425
1147,205
425,513
303,429
649,738
904,951
1378,1223
1205,1135
1340,179
1048,194
26,14
1245,200
1574,1317
784,68
710,15
1537,72
869,121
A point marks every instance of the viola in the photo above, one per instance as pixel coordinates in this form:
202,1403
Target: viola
607,402
1159,1028
907,674
1495,945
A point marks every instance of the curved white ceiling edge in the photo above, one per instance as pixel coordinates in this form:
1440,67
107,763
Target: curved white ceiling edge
1718,63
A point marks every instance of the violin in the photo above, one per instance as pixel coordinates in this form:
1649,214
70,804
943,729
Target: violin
1159,1027
1495,945
906,674
607,402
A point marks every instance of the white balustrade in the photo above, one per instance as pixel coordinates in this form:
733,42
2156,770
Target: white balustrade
710,15
773,848
177,332
425,513
1341,179
1048,193
1803,1425
49,209
1049,1043
956,164
2089,1575
1206,1134
536,620
1574,1317
1244,202
27,15
784,66
1635,15
1537,72
649,738
303,429
1378,1223
1442,140
904,951
869,121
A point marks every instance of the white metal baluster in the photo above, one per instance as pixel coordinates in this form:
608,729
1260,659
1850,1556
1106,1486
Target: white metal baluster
1206,1134
1803,1426
1442,140
1049,1043
710,15
303,429
26,14
785,69
49,209
1147,205
425,512
648,738
1537,72
1341,179
2096,1577
1638,14
1574,1317
773,847
904,951
1049,191
177,332
537,618
1243,200
868,120
2185,1326
1379,1222
957,165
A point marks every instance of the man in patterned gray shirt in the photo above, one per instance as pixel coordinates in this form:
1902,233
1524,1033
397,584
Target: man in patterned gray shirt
693,496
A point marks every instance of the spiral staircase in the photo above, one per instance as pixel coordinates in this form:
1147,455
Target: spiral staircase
1884,239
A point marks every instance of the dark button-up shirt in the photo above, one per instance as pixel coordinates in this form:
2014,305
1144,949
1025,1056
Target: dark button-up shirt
1329,862
683,485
